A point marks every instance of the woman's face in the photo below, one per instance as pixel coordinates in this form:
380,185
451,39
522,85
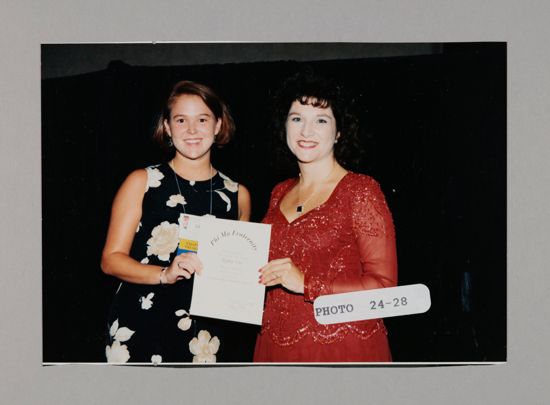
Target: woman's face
192,126
311,132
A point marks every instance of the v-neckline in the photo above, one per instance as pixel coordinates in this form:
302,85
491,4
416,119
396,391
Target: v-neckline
317,208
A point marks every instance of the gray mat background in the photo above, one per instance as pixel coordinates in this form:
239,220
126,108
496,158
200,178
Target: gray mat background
25,24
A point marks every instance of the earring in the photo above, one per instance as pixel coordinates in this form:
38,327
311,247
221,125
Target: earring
170,143
336,140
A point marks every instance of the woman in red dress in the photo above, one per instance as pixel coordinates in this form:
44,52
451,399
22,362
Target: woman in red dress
332,232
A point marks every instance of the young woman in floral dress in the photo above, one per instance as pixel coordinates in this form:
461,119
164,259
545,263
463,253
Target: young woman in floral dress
149,320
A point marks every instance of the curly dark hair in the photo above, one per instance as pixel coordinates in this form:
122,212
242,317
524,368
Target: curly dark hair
309,88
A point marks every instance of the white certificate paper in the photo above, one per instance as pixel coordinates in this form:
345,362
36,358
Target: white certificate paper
232,252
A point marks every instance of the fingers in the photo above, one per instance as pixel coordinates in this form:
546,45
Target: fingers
271,280
183,267
274,272
194,261
282,272
270,277
183,274
189,262
275,263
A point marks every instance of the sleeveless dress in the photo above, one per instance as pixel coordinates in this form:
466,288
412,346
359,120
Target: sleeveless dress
151,323
341,246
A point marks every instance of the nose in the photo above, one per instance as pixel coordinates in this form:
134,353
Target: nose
192,127
307,129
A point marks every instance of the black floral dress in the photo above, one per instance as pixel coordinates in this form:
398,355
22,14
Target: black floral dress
151,323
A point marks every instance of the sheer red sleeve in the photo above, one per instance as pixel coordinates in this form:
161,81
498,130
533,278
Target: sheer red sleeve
372,226
374,235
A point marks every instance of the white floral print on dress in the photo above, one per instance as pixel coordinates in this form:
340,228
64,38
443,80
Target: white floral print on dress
121,334
164,240
204,347
185,322
147,302
225,198
154,176
175,200
117,353
229,184
156,359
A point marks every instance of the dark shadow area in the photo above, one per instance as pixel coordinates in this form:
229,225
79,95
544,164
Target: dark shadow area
434,130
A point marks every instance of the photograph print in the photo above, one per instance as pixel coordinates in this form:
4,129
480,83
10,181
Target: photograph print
374,165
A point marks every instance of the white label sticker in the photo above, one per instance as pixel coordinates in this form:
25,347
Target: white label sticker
372,304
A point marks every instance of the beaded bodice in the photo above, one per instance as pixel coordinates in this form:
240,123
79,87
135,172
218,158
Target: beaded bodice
339,246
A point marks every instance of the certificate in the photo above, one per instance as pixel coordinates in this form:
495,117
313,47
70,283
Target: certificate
232,252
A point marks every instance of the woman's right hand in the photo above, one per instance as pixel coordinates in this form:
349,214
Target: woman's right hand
183,266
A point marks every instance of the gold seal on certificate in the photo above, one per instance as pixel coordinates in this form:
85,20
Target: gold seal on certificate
232,252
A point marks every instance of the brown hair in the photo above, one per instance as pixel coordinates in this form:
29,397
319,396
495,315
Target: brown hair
211,99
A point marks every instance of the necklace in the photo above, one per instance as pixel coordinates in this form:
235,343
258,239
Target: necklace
179,189
300,206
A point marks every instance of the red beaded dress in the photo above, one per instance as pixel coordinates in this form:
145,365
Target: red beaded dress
346,244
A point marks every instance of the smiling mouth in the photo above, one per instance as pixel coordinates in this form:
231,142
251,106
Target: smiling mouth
307,144
194,141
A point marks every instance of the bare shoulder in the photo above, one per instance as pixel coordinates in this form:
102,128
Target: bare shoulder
243,192
133,188
245,206
136,180
138,175
243,198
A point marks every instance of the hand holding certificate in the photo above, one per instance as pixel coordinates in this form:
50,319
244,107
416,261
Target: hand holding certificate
232,252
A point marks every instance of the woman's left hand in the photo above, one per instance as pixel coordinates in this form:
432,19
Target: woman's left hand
283,272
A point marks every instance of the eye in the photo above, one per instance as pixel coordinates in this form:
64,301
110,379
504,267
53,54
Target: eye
322,121
295,119
180,120
203,120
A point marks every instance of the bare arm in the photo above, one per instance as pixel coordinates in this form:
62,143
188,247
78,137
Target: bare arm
244,203
125,217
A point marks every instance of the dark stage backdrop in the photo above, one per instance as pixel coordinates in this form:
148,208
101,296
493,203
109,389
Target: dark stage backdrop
434,129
